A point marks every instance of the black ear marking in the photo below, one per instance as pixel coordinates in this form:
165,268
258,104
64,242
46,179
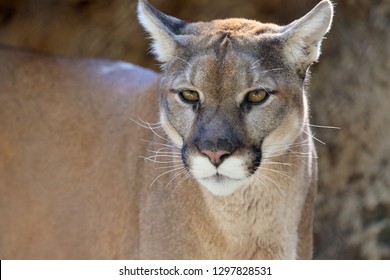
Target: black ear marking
174,25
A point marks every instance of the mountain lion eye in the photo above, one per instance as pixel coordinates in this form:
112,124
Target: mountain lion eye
189,96
257,96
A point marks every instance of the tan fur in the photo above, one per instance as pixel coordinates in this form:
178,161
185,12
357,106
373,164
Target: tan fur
73,186
68,156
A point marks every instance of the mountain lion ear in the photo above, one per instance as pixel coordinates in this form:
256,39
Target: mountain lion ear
163,29
303,37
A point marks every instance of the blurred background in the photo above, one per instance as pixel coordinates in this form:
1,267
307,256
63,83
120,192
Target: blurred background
350,89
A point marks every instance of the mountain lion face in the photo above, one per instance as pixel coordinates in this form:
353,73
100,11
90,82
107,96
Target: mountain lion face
231,92
228,107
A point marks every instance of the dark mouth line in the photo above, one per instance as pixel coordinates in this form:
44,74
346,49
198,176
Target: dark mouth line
220,178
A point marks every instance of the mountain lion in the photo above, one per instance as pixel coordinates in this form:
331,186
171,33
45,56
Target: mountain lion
228,168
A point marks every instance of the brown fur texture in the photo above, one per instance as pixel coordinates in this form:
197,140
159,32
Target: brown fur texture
348,87
66,162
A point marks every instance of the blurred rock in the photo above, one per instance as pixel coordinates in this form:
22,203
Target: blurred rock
350,89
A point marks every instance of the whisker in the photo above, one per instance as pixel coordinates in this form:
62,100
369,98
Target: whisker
261,182
278,172
290,156
256,64
147,126
189,64
164,159
288,145
300,144
271,70
166,172
262,175
182,180
158,161
277,163
325,126
253,65
283,149
164,149
258,178
164,162
161,155
175,176
312,136
300,153
322,126
272,181
159,124
174,74
273,170
170,166
181,59
161,144
165,154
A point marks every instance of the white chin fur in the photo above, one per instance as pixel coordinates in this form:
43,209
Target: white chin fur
221,181
222,187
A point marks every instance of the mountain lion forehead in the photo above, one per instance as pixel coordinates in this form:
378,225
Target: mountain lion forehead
233,27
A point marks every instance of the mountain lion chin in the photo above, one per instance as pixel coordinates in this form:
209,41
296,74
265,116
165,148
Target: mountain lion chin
221,185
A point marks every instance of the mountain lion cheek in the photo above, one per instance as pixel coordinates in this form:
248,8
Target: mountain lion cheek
172,133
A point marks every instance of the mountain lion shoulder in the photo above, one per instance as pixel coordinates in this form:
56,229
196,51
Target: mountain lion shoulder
211,159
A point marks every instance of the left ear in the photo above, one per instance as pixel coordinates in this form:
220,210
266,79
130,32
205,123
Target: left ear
303,37
163,29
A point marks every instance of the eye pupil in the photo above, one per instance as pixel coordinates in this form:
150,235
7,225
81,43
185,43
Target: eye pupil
189,96
257,96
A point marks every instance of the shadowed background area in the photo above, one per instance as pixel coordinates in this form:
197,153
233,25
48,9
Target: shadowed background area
350,89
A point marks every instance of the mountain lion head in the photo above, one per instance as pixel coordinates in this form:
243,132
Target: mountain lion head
232,91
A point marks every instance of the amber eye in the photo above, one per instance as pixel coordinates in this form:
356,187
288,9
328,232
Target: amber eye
257,96
189,96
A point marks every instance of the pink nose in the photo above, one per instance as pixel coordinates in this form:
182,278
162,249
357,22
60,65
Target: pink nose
216,157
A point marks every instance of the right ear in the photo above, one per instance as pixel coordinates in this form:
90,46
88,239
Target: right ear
163,29
303,37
